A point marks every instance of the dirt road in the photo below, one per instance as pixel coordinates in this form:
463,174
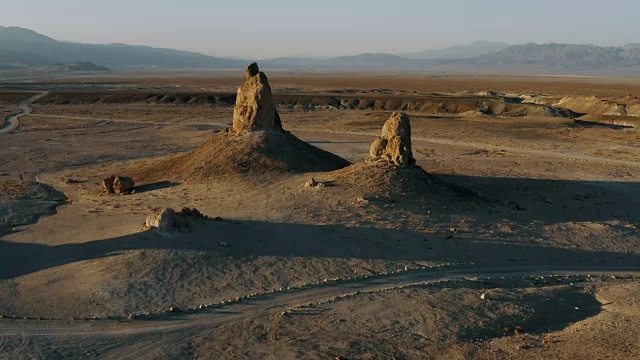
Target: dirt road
11,122
282,299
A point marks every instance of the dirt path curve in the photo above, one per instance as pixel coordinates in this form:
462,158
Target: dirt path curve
278,301
11,122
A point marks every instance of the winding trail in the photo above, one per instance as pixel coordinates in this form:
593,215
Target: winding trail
11,122
275,302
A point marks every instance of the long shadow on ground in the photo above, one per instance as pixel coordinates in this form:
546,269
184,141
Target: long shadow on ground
253,238
552,201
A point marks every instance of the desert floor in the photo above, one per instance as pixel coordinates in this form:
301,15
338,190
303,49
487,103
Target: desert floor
520,241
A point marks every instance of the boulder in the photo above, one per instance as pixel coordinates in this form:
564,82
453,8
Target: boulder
117,184
255,109
394,146
107,184
123,184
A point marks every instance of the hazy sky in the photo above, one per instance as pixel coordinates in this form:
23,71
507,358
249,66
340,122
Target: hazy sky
268,28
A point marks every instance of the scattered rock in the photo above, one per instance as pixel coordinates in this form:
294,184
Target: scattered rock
255,109
311,183
192,213
394,146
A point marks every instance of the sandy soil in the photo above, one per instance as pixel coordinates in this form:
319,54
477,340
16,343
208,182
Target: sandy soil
525,223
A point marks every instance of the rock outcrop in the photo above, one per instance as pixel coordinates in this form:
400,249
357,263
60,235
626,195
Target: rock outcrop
164,221
257,148
394,146
167,221
255,109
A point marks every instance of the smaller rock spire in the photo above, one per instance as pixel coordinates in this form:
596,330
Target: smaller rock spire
394,145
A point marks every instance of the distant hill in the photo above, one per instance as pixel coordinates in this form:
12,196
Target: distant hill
81,66
545,58
26,46
459,52
370,60
26,49
362,61
561,56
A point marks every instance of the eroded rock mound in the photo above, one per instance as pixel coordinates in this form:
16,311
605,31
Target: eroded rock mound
167,221
253,155
255,109
257,145
394,146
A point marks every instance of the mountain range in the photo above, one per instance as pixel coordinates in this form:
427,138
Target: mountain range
20,46
26,49
459,52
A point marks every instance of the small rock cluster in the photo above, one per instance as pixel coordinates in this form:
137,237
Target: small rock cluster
116,184
167,221
394,146
312,183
